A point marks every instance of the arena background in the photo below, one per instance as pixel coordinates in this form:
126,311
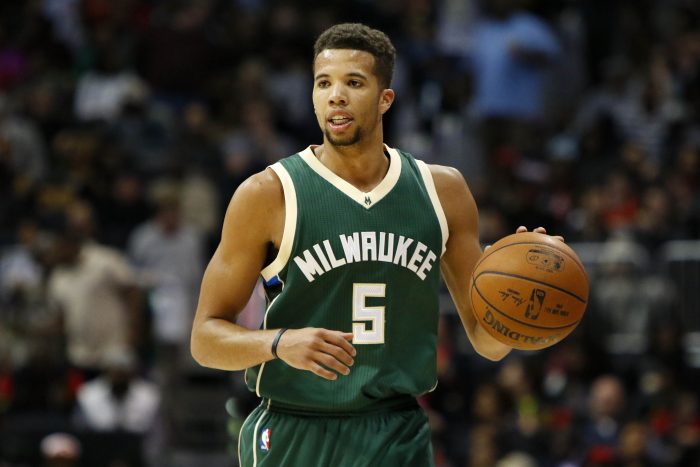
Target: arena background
126,125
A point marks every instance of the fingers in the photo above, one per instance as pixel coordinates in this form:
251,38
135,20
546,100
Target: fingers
322,372
333,353
541,230
332,363
323,352
340,354
337,351
342,340
522,229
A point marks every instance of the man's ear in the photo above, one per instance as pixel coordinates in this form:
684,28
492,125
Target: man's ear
386,99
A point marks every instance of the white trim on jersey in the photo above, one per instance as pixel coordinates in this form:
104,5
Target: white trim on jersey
366,199
262,366
255,437
290,224
432,192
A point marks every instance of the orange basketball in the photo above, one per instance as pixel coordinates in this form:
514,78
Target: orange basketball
529,290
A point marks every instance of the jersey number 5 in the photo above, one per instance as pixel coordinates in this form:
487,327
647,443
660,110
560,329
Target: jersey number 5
362,333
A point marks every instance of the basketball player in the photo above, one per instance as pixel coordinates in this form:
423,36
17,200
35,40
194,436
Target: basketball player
350,238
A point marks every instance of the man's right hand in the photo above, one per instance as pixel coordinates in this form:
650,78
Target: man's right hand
317,350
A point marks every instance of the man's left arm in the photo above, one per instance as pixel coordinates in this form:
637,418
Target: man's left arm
462,252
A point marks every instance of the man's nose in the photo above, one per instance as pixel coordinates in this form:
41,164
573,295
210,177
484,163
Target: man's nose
337,95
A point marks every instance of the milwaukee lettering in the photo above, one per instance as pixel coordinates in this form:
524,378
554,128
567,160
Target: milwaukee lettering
500,328
366,246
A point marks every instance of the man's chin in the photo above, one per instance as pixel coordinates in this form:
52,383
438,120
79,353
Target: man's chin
343,141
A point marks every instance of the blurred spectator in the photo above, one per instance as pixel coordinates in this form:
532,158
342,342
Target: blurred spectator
650,110
20,272
143,133
524,429
510,53
483,446
683,186
88,277
124,208
454,23
48,101
250,147
26,146
198,160
22,309
656,219
636,445
627,303
168,254
17,191
118,400
195,144
607,412
509,59
585,221
684,438
67,25
620,203
102,94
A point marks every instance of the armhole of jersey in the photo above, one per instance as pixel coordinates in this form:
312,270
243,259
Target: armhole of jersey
262,366
432,192
290,224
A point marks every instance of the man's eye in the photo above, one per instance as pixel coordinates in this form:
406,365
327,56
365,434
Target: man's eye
322,84
354,83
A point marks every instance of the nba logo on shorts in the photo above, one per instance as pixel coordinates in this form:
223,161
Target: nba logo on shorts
265,440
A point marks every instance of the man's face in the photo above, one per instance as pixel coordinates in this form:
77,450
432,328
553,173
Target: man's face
348,99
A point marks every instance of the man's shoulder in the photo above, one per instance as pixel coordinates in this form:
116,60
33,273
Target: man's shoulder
267,179
262,192
441,174
261,184
445,176
291,156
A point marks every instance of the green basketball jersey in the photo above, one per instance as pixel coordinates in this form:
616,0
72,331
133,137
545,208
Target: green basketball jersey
366,263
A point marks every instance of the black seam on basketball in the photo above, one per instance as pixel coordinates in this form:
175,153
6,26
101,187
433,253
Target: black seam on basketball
547,328
580,265
508,274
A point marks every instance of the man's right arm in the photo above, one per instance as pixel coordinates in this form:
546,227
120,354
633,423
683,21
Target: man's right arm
255,219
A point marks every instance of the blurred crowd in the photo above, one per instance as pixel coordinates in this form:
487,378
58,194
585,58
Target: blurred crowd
126,125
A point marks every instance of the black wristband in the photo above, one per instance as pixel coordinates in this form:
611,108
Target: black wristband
277,341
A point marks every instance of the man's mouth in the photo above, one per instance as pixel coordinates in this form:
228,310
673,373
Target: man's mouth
340,122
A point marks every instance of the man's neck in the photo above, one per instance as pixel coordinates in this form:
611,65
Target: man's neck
362,166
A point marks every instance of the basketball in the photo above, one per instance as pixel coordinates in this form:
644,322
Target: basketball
529,290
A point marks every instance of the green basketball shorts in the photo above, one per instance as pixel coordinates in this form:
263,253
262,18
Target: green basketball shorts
398,438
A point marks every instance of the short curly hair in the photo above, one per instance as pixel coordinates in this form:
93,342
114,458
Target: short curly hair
356,36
